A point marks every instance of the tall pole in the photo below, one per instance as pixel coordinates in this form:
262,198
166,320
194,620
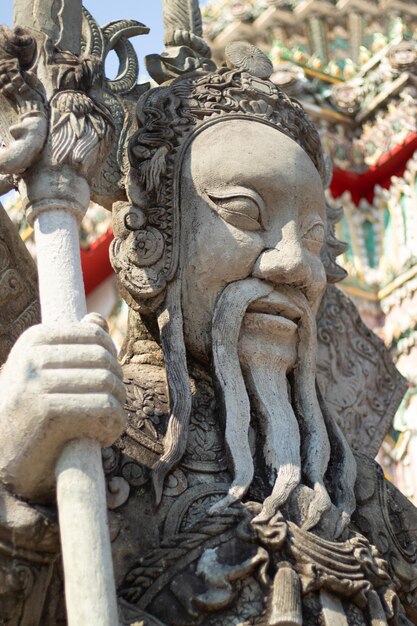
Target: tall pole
81,495
55,193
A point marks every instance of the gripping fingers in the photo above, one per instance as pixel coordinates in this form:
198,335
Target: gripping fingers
95,415
75,356
77,333
96,318
81,381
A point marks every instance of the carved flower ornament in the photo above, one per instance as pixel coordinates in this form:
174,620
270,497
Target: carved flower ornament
248,58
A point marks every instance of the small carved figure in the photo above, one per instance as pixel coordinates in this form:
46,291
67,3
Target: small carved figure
234,495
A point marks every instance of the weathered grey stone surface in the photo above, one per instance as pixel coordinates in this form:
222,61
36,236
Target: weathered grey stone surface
355,374
234,496
19,305
61,21
60,129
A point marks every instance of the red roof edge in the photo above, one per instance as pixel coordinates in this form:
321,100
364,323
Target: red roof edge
390,164
95,262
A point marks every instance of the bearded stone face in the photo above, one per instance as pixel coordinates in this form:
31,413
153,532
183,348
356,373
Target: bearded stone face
251,222
252,205
253,225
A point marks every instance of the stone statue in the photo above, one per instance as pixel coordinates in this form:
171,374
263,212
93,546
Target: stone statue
234,495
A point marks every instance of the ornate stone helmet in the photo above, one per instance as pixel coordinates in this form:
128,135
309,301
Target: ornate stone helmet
145,252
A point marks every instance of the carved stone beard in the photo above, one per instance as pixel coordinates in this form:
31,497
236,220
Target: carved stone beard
249,358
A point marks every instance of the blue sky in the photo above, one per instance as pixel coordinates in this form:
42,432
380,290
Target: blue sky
149,12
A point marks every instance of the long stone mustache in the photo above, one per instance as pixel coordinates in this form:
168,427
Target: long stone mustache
317,425
227,321
281,433
315,445
280,424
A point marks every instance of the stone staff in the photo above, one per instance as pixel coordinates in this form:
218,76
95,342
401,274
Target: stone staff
81,496
55,132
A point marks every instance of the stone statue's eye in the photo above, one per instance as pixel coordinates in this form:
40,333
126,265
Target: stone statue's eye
240,211
315,235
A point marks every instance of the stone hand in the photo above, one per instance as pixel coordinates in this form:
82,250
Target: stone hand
60,383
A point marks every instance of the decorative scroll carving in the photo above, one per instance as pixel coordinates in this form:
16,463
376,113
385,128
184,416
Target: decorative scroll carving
120,96
220,558
356,376
23,592
28,548
389,520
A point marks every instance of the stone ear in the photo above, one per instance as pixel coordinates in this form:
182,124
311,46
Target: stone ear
140,252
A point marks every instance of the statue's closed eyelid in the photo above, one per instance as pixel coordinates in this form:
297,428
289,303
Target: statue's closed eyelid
235,192
241,207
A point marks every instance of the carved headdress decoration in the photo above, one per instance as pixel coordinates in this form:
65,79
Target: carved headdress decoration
193,94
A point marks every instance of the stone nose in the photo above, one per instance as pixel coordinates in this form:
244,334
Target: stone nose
285,264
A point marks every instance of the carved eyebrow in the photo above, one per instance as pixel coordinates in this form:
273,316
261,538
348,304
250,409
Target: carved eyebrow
312,221
234,192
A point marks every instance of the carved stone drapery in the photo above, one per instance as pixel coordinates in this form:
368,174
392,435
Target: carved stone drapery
355,373
19,301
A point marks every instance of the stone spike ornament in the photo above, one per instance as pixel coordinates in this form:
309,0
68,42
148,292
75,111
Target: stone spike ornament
180,15
185,48
59,130
61,20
